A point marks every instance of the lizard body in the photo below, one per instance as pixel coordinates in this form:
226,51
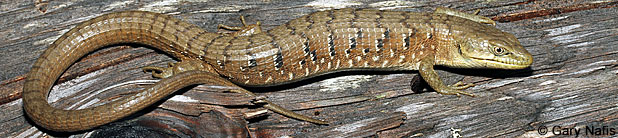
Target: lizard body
315,44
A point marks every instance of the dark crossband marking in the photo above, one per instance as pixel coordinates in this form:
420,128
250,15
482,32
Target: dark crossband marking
175,31
431,26
252,63
313,56
287,25
252,57
302,62
379,19
306,43
379,44
205,50
165,19
331,45
365,51
154,21
225,50
406,41
190,42
330,40
352,42
310,21
386,34
331,15
220,63
276,45
278,58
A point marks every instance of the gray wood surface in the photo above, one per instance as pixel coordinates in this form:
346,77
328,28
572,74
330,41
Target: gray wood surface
572,82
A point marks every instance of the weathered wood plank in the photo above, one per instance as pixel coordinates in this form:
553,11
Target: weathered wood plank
571,84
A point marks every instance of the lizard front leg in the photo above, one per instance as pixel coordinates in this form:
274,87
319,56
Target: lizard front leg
278,109
431,77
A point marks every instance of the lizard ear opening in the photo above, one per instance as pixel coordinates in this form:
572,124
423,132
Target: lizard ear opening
478,51
466,48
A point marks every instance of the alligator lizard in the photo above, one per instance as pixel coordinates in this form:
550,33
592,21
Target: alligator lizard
315,44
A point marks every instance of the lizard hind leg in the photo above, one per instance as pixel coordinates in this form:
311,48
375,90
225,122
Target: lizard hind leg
194,68
160,72
278,109
244,30
469,16
178,67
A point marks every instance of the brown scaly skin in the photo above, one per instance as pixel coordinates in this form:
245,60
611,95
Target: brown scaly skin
315,44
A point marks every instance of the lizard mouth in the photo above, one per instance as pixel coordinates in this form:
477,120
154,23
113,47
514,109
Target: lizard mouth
506,63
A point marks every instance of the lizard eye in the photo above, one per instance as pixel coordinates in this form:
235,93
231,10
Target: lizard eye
499,51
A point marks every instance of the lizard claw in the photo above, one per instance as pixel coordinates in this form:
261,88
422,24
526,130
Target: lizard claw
451,91
158,72
461,85
245,30
177,67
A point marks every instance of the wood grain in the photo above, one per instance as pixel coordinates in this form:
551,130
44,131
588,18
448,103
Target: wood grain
571,84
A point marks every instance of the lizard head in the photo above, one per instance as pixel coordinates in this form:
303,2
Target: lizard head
493,48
